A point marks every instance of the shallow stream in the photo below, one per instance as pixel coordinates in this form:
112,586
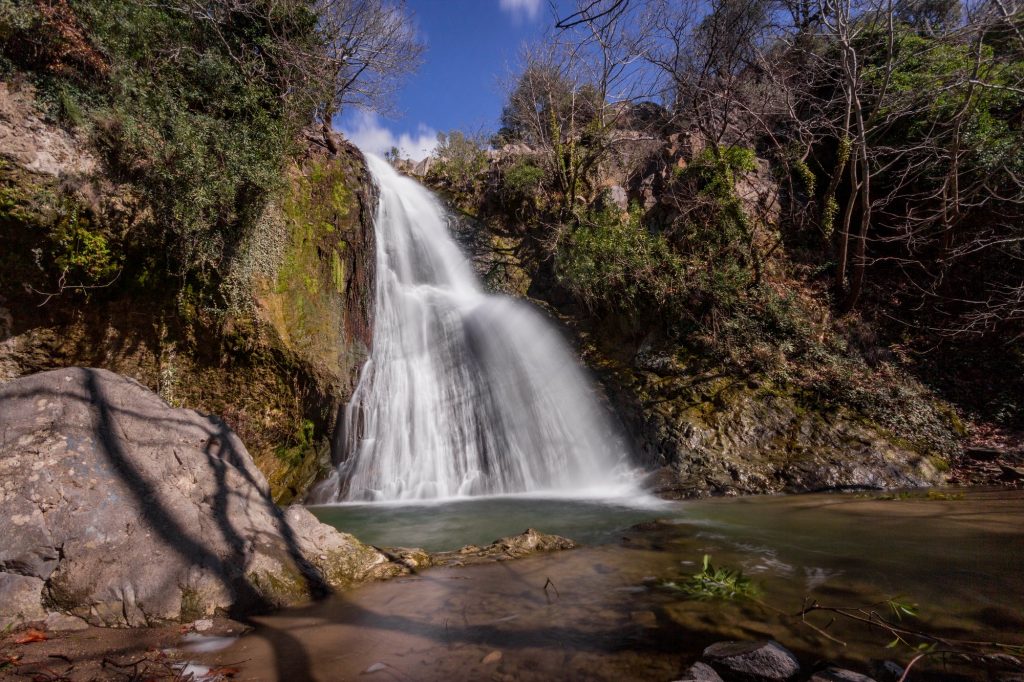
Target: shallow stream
597,613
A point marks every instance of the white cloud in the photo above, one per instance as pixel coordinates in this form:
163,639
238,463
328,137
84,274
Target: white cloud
521,8
368,133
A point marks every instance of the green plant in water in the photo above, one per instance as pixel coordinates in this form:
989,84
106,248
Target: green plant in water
713,582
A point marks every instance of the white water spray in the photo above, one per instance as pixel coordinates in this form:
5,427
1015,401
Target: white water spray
464,393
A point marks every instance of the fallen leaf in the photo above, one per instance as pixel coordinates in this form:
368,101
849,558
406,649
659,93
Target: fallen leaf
223,671
30,635
492,657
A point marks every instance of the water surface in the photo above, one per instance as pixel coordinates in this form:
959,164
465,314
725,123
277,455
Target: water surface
595,614
438,526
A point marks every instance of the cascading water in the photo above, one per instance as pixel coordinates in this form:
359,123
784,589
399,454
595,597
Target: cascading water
464,393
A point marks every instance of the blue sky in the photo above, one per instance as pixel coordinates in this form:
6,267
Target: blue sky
472,45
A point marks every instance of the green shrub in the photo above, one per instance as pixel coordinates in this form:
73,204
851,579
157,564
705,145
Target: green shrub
610,262
82,254
461,159
697,278
195,115
522,182
717,224
298,446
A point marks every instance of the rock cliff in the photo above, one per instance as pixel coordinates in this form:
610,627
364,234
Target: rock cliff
273,345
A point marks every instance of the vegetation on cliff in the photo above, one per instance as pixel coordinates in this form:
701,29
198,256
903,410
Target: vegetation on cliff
178,210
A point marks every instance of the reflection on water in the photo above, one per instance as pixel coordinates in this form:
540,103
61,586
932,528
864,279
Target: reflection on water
438,526
598,618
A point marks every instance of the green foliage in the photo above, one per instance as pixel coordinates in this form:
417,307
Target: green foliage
296,450
934,75
50,240
723,219
611,262
522,179
806,175
189,112
900,608
17,17
461,159
697,277
521,188
202,139
81,253
715,583
828,217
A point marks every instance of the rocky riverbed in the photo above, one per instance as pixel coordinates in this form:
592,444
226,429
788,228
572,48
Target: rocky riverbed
120,511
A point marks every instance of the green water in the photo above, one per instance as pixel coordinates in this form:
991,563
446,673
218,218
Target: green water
475,521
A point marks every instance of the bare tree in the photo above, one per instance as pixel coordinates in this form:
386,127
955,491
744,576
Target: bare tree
368,47
575,95
884,101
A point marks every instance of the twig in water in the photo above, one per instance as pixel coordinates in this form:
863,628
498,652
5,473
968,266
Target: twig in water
548,582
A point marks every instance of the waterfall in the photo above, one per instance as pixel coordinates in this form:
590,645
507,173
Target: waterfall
464,393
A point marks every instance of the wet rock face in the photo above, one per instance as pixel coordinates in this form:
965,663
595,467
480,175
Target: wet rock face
763,661
725,437
122,511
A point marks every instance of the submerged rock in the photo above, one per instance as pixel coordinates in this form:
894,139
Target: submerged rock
700,672
122,511
760,661
833,674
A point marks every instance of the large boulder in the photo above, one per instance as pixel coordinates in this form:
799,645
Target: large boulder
122,511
